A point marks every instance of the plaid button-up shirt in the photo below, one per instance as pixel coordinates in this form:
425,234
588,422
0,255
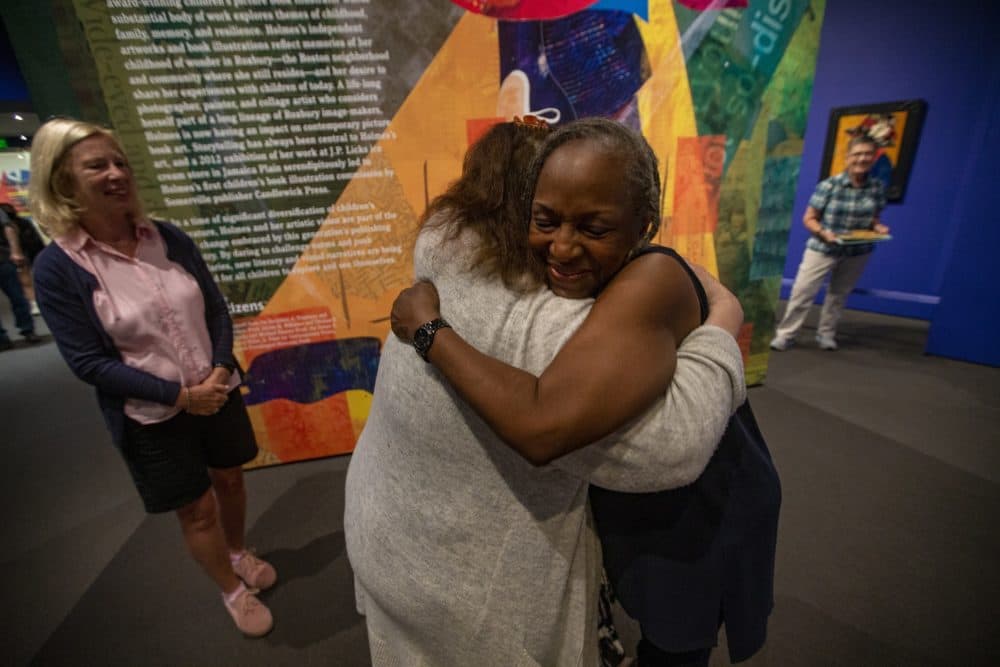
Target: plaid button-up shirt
844,207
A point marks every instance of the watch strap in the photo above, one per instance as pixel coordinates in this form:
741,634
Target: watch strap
423,337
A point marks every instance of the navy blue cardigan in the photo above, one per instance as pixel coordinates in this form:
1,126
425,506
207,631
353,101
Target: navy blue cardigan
65,294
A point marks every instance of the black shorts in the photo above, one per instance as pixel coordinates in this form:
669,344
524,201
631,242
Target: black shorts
169,461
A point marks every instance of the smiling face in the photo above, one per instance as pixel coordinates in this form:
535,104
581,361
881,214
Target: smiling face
860,158
101,178
583,224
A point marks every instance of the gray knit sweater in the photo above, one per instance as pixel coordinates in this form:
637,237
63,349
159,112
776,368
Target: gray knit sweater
464,553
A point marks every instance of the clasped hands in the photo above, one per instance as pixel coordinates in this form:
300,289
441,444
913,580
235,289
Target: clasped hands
207,397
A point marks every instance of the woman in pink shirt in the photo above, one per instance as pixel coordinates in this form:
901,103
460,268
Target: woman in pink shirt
136,313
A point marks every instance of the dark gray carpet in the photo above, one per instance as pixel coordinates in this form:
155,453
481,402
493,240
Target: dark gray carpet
888,545
151,605
884,552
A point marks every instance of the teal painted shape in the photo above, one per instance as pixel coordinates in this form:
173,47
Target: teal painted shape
774,218
731,56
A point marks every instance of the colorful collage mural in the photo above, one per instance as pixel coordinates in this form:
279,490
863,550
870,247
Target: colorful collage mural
300,144
14,175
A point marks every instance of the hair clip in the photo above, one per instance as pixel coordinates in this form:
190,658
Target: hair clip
531,121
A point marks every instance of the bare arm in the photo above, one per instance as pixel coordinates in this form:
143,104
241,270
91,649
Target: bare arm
811,220
16,254
626,348
724,309
670,444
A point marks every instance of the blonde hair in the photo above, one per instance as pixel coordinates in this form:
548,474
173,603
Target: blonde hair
50,190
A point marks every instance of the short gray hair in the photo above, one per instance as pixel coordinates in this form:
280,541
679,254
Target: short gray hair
642,174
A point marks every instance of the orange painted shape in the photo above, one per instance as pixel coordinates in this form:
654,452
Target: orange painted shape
296,432
697,178
697,248
477,127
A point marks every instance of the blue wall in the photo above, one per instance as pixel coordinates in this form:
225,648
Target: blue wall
12,86
967,322
897,50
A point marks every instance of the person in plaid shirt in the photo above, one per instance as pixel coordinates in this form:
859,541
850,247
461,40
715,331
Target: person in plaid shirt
848,201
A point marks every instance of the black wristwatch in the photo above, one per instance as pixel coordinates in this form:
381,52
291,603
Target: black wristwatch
423,337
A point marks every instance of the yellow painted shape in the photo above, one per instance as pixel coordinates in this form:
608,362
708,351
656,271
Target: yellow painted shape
698,248
359,403
665,105
430,127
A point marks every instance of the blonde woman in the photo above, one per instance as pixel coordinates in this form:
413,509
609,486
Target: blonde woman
135,312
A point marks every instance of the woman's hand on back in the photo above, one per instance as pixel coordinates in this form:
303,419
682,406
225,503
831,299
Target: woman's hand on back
724,309
414,307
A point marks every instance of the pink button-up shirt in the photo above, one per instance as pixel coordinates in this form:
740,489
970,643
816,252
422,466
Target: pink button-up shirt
152,309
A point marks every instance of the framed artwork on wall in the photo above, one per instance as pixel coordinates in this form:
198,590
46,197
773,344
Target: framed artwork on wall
895,127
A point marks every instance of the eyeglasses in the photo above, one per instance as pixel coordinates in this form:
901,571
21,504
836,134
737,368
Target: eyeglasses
861,154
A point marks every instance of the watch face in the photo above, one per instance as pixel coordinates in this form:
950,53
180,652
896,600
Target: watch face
422,339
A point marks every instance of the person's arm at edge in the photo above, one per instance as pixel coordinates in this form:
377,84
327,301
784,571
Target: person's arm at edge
812,220
567,407
14,241
670,444
724,309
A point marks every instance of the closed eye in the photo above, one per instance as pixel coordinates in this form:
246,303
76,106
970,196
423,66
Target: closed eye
541,222
595,232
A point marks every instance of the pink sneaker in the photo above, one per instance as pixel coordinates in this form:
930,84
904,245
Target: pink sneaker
250,615
255,572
